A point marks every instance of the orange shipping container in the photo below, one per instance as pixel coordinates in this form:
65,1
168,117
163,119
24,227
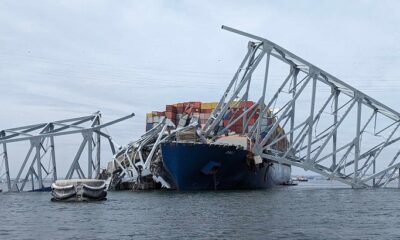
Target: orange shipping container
170,115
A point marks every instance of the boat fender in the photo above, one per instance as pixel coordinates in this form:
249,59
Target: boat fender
68,187
95,195
102,187
61,196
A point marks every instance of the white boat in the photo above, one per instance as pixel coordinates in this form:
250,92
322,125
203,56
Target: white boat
79,190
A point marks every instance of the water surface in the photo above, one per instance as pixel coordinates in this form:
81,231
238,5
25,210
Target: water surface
312,210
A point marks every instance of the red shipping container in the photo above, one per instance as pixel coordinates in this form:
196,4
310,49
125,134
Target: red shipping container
245,104
158,114
206,110
239,122
180,109
197,105
170,108
252,121
226,122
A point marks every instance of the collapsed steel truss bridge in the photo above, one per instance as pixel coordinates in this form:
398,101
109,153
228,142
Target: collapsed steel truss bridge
41,138
333,128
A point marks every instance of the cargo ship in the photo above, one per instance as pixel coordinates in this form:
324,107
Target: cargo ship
225,163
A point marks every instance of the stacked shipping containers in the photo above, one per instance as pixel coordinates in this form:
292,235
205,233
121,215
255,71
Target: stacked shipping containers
202,111
178,113
153,119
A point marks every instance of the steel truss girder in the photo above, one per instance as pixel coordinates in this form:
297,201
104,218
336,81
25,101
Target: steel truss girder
331,143
37,134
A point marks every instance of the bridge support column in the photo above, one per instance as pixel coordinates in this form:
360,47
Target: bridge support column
373,172
7,167
398,185
90,151
335,121
357,144
293,112
37,143
53,158
98,151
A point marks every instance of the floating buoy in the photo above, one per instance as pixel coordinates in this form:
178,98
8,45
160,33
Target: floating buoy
79,190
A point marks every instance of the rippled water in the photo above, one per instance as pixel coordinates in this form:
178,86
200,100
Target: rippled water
313,210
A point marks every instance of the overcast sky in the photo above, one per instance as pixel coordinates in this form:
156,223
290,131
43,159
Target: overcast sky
62,59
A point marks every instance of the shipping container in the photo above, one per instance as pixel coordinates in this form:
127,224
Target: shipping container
226,122
246,104
149,126
203,111
156,119
170,108
170,115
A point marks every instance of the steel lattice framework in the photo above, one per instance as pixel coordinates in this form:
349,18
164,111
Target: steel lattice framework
333,128
329,127
88,126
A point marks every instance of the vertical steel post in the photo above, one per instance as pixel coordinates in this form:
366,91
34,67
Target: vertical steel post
262,102
311,119
246,98
293,113
53,158
335,120
398,185
90,149
32,180
98,142
357,143
38,162
373,172
7,167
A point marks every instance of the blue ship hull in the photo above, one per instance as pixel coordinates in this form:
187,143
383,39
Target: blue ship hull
193,166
